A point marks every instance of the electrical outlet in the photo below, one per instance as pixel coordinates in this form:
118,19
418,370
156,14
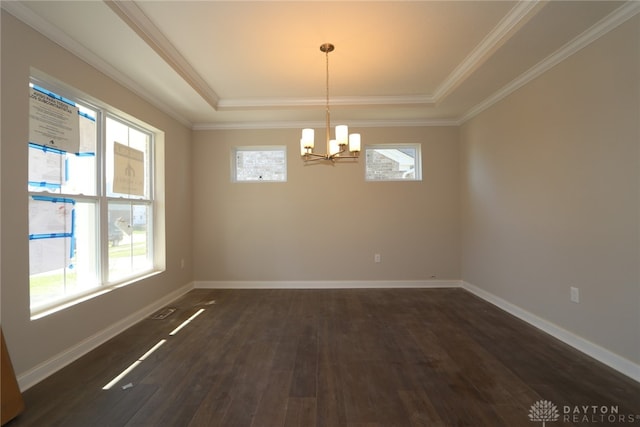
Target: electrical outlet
376,258
575,294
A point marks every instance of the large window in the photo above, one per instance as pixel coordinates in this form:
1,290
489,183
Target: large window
91,198
393,162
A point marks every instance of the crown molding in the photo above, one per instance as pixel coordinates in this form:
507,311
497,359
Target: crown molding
507,27
57,36
616,18
322,124
135,18
345,101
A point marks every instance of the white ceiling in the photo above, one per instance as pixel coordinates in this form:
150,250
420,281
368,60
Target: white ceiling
226,64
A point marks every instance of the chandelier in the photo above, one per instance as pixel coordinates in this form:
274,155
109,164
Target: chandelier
336,148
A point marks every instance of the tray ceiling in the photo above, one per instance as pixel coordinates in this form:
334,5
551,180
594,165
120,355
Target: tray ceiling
226,64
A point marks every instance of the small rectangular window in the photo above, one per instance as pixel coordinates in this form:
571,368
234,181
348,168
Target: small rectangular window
255,164
393,162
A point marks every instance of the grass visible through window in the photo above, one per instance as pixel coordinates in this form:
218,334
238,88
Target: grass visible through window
58,283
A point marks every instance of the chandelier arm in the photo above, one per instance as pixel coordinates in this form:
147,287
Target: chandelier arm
317,156
339,155
350,156
343,149
311,157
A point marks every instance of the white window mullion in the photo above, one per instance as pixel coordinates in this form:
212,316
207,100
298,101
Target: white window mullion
103,205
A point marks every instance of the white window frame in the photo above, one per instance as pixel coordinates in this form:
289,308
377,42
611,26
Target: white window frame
417,166
257,148
101,201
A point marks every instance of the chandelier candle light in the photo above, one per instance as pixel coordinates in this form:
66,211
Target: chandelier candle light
336,148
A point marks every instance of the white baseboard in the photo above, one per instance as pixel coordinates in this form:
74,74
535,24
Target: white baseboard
327,284
40,372
601,354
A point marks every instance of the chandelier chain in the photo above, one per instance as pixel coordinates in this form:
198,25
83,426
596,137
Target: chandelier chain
328,111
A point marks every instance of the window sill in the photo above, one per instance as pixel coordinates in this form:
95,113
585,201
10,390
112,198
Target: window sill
45,311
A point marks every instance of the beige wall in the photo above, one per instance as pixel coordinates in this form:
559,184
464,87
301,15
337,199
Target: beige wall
550,194
34,342
325,222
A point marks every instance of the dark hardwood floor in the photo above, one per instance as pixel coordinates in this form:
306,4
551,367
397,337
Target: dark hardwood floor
393,357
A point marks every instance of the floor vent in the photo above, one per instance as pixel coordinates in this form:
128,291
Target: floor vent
164,313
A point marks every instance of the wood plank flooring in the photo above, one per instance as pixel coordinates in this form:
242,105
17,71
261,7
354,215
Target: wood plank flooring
315,358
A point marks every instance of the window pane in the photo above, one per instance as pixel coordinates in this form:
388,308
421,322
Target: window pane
129,234
56,171
393,163
62,261
128,161
81,175
260,164
46,169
